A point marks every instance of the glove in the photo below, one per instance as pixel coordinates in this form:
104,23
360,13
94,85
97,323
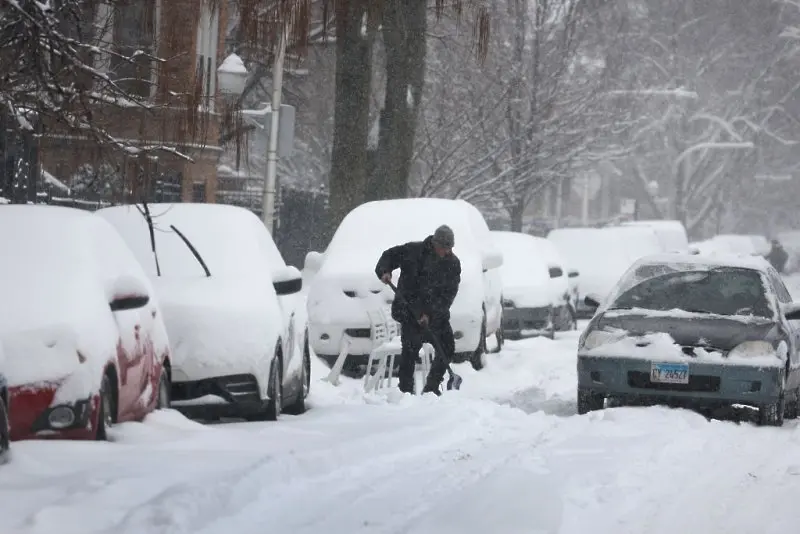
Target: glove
386,278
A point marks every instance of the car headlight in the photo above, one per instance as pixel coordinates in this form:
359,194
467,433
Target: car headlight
598,338
753,349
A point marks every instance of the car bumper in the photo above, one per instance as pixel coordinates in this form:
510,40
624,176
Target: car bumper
709,383
326,339
527,322
219,396
31,415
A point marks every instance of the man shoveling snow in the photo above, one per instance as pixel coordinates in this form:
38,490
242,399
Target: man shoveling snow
429,278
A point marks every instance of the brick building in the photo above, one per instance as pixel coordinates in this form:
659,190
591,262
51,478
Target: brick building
186,35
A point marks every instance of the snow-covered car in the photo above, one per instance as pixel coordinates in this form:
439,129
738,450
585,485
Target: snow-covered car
694,331
345,289
231,307
536,291
601,255
84,344
671,234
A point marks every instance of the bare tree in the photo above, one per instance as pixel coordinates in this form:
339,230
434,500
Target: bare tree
62,72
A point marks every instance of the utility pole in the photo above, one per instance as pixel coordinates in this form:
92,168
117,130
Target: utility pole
271,172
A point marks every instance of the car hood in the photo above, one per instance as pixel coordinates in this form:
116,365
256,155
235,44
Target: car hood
713,333
220,326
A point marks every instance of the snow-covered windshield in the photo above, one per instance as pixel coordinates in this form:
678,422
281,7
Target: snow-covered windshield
718,291
230,240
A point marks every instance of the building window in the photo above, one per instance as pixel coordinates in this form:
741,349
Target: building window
134,30
207,41
167,186
199,192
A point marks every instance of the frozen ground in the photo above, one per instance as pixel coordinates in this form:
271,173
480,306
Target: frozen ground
505,455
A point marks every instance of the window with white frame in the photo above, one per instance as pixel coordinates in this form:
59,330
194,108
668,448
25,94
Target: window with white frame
207,43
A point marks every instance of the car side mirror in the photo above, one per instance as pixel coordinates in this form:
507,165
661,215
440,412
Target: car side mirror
313,262
128,293
791,311
287,281
492,260
591,301
573,274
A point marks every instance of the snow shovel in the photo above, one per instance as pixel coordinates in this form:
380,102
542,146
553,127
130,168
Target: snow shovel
454,382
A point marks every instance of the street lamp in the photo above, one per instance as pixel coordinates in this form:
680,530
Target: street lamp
232,76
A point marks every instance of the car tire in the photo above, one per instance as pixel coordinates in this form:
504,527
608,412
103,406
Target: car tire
164,391
107,411
792,410
478,359
589,401
5,433
298,407
772,414
500,338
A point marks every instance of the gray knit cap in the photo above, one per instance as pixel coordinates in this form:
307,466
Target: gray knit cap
443,236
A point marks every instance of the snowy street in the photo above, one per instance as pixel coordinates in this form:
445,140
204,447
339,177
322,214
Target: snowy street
506,454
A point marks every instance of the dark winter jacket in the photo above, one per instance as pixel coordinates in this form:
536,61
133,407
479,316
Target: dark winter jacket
778,258
428,283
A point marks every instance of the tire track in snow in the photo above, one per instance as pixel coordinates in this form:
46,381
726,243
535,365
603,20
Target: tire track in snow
278,489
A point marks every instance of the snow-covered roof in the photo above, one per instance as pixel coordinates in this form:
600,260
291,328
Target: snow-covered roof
756,263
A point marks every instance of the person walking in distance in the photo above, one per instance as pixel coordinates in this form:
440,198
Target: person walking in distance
430,275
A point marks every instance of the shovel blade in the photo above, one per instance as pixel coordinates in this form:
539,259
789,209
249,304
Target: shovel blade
454,382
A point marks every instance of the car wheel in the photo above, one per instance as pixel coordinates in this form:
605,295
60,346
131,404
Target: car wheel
273,407
107,417
589,401
500,338
5,434
164,390
299,405
478,359
772,414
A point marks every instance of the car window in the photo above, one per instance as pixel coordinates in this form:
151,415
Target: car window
720,291
780,288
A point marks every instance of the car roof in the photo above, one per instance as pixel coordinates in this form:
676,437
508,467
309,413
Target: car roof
756,263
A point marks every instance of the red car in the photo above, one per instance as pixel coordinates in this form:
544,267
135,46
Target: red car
83,341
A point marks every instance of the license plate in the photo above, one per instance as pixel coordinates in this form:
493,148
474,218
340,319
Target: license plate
669,373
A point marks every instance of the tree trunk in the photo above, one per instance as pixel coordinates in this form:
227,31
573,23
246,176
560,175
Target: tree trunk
516,211
351,112
404,25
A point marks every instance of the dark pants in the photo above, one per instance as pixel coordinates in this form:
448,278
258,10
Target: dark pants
413,336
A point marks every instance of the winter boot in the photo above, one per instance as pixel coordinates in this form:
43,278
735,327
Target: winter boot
432,388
